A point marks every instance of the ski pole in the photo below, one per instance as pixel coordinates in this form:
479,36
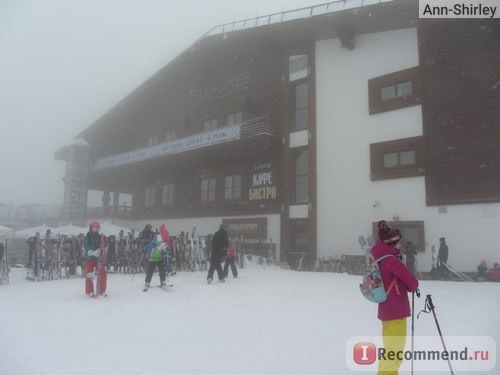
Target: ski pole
430,305
413,323
135,271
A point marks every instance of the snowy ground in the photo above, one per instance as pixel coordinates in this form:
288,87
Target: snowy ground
268,321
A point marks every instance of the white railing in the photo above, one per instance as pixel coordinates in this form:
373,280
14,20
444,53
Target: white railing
289,15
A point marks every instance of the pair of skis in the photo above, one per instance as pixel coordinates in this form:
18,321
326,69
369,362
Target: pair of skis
159,286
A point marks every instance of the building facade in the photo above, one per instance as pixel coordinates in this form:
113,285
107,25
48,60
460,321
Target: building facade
305,133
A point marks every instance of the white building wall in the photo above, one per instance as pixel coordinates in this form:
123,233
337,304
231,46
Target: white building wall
345,130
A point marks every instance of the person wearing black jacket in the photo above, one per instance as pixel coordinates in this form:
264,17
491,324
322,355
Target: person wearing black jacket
147,235
443,257
220,243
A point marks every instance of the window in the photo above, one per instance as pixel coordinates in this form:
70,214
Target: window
170,135
393,91
299,236
412,231
149,196
208,189
167,195
301,190
300,107
234,118
397,159
210,125
297,67
152,140
232,187
398,90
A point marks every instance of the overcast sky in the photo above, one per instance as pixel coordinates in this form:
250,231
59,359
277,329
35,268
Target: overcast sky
63,64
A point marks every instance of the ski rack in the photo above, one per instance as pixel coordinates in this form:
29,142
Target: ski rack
4,271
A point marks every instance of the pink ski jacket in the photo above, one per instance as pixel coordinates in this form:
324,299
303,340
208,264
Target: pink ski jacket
397,305
231,251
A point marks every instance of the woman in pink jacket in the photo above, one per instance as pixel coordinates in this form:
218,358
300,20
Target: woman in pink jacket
398,281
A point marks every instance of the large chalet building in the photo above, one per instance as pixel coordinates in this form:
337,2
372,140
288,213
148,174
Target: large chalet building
303,133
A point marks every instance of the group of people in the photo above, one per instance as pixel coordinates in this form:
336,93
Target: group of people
222,249
155,251
485,274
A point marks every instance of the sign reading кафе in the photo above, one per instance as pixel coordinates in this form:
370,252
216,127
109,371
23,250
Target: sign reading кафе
262,186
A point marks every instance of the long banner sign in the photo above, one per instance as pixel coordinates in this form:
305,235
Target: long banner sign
199,140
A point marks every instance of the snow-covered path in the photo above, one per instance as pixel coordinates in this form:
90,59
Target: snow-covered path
268,321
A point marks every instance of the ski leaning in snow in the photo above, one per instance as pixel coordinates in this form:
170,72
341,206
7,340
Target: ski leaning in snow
98,272
461,276
165,236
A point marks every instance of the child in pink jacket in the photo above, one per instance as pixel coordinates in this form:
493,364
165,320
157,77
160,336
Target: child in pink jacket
398,281
230,260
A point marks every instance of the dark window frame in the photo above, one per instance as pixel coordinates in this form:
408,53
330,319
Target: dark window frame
210,124
293,236
205,198
168,197
293,104
235,120
378,150
170,135
375,86
149,196
234,188
295,155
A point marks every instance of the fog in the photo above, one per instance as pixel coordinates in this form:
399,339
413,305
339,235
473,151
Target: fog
64,64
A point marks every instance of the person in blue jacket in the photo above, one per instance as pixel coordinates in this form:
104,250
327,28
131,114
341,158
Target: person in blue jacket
154,251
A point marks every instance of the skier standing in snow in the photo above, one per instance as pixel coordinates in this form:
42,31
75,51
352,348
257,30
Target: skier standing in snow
92,254
230,260
398,281
155,251
410,253
219,248
443,256
111,258
146,236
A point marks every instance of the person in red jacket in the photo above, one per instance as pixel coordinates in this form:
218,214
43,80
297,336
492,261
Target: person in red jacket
92,254
230,261
398,281
495,273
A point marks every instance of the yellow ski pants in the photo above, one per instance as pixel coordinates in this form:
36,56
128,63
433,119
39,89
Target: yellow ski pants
394,337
